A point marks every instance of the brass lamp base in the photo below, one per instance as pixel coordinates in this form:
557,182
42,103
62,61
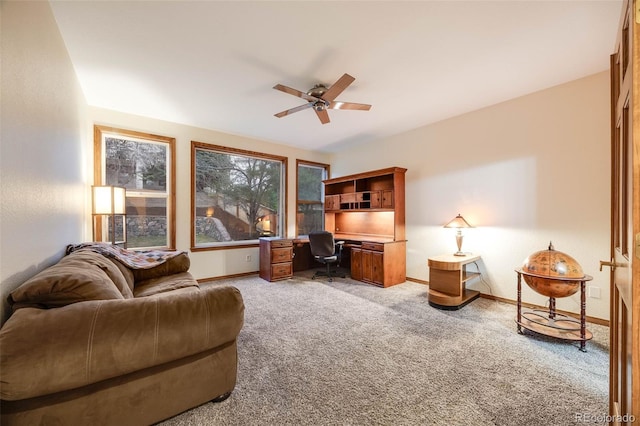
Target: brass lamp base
459,243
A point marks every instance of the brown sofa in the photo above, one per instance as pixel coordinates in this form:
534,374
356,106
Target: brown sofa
92,341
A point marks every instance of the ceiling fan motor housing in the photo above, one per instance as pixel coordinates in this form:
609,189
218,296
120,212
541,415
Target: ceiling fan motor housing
317,91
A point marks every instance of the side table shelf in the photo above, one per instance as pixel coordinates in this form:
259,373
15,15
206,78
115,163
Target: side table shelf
448,277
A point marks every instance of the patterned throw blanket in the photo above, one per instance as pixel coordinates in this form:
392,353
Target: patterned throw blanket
144,259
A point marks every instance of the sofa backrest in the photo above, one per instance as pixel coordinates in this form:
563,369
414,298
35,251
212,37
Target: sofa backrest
80,276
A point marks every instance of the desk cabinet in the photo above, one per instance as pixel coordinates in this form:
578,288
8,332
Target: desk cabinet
448,276
276,258
373,267
379,264
332,202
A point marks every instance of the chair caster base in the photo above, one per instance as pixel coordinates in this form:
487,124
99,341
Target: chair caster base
331,275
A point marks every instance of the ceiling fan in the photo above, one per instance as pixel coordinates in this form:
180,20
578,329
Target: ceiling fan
321,98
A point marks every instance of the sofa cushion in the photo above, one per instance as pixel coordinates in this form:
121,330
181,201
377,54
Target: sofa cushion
73,279
174,265
183,280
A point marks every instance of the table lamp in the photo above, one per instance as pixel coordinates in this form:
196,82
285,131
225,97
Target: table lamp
458,222
109,201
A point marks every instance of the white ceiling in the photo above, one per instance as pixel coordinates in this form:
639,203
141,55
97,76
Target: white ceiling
213,64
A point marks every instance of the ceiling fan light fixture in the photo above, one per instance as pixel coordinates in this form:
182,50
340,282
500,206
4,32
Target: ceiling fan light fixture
320,105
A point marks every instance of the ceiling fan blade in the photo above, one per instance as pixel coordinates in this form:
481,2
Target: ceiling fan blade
292,110
295,92
349,105
323,115
338,87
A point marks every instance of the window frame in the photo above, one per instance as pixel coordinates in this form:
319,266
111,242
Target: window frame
195,146
99,176
327,169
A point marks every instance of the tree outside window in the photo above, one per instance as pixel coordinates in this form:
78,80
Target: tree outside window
310,198
238,196
144,165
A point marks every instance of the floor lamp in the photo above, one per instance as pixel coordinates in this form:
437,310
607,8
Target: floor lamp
109,201
458,222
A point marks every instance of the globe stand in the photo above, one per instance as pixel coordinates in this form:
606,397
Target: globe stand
552,324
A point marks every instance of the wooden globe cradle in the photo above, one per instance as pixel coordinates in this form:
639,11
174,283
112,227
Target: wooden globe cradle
549,322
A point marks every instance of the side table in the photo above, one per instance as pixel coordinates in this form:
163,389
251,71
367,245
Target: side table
447,281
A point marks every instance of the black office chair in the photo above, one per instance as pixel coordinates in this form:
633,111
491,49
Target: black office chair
326,251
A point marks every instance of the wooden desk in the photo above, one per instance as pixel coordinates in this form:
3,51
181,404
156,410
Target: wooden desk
381,263
447,281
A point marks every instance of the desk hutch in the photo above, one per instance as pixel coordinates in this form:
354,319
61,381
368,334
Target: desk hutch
367,210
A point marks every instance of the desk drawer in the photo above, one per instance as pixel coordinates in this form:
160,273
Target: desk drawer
373,246
281,243
281,270
281,254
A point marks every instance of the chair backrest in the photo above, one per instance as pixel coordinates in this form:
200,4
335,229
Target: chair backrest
322,243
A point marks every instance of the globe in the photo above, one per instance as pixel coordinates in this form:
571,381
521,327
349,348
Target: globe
552,273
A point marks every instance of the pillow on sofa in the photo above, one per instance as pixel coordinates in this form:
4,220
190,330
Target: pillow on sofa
107,265
71,280
174,265
126,272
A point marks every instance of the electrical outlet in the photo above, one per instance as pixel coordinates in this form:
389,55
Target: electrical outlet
248,258
593,292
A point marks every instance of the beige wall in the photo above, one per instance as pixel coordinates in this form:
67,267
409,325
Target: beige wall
42,164
215,263
47,156
525,172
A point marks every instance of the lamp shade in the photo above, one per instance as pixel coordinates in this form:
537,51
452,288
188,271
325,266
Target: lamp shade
458,222
108,199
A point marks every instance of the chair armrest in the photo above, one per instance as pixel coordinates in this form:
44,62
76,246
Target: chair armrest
51,350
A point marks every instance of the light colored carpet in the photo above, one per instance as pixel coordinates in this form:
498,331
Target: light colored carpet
347,353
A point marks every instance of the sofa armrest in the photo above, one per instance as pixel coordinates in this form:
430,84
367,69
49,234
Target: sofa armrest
50,350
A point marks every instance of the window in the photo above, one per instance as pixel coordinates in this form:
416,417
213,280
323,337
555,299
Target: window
145,165
238,196
310,196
